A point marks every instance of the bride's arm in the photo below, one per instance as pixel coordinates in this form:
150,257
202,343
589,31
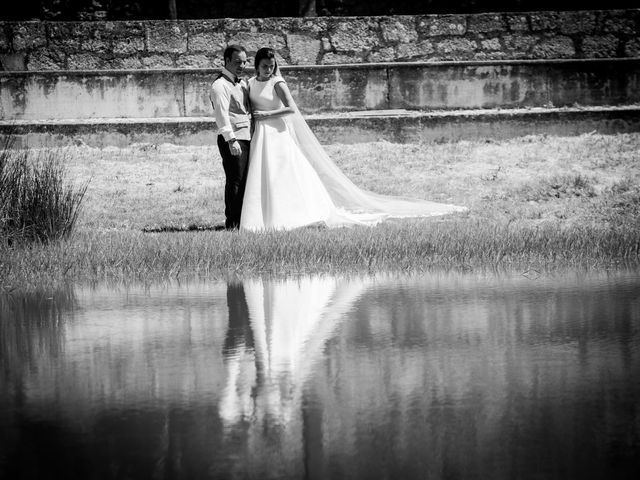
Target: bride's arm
285,96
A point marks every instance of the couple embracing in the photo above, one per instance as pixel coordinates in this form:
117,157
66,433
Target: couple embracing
278,176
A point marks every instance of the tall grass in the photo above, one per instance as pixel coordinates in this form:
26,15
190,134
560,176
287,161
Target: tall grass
458,243
37,202
538,202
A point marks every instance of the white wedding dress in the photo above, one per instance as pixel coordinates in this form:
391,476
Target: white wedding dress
292,182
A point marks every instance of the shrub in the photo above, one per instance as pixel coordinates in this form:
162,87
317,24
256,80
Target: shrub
37,203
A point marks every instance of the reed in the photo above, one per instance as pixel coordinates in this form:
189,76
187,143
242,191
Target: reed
37,202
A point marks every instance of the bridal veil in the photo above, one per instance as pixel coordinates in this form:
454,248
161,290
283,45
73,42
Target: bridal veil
346,195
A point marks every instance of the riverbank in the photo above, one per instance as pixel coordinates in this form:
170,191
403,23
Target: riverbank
534,202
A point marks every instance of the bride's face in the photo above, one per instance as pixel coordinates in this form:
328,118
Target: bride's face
266,67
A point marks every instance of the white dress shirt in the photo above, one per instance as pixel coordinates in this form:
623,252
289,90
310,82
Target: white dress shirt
222,93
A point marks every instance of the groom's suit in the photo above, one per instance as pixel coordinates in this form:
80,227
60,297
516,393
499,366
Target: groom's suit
230,100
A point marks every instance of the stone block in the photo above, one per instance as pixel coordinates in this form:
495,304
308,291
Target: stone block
69,36
544,21
433,26
303,50
398,30
107,31
206,36
497,55
341,58
85,61
15,62
279,58
456,48
519,46
28,36
194,61
5,44
326,44
158,61
385,54
490,44
45,59
354,35
95,45
619,22
166,37
207,42
554,47
577,22
485,22
517,23
414,51
632,48
119,30
122,38
63,36
127,63
255,41
128,46
217,61
600,46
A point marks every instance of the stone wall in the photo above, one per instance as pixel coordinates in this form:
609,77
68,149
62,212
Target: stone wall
182,93
322,40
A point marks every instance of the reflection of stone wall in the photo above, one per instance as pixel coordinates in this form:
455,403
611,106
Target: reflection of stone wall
322,40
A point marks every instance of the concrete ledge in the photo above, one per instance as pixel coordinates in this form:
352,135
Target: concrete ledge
337,88
391,125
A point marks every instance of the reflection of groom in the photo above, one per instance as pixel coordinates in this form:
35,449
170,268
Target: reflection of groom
230,99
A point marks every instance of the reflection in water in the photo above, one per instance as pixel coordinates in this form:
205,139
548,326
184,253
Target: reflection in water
439,376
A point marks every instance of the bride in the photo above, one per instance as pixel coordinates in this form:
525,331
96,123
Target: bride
292,182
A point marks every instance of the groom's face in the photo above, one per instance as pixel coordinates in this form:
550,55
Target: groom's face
236,63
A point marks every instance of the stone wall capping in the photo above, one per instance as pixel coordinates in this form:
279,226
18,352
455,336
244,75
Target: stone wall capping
486,22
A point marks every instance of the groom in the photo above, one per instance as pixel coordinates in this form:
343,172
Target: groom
229,96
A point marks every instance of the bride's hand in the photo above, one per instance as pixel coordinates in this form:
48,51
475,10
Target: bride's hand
257,115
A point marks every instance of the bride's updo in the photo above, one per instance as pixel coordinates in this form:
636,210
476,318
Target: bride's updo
266,53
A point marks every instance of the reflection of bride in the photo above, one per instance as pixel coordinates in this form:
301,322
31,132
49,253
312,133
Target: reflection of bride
290,322
291,180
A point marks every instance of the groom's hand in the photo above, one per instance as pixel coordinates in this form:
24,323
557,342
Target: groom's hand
258,115
234,148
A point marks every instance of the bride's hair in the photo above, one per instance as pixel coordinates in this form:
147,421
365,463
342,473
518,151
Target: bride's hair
266,53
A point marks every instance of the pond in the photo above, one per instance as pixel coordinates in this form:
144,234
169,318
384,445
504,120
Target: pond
439,375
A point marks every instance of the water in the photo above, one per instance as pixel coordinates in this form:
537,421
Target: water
423,377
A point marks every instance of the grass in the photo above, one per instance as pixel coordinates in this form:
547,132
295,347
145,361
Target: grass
37,203
534,202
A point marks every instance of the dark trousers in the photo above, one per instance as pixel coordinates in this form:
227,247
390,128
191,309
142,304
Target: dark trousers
235,170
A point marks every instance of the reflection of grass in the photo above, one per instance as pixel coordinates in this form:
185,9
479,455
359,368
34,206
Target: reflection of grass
535,200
